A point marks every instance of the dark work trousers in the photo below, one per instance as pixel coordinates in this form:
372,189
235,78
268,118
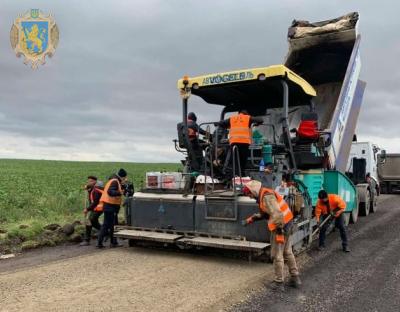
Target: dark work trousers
94,223
197,159
339,224
114,239
108,227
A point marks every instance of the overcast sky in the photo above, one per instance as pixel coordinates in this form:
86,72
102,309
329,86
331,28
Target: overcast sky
109,93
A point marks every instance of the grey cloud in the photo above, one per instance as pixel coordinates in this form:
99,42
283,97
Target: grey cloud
113,77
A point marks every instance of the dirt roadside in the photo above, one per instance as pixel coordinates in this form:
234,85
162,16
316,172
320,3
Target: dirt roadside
125,279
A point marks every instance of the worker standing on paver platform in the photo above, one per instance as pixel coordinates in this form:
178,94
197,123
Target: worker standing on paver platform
331,204
94,209
240,134
193,132
274,208
111,200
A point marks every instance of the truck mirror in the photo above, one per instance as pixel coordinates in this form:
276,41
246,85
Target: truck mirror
382,156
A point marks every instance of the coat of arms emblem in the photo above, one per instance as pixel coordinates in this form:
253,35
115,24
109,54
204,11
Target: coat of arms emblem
34,36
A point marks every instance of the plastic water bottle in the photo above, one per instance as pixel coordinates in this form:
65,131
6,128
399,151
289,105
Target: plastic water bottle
261,165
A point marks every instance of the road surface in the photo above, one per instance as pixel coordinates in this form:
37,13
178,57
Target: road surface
72,278
367,279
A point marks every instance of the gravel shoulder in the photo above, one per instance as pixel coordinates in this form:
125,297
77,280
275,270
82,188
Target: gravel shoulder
125,279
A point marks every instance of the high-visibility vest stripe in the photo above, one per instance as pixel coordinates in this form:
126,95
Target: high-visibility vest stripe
283,206
239,131
113,200
99,207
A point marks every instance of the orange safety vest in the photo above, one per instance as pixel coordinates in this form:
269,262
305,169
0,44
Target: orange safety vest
239,131
113,200
99,207
284,207
335,201
192,133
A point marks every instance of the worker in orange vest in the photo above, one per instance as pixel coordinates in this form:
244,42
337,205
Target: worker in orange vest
331,204
274,208
111,199
94,209
240,135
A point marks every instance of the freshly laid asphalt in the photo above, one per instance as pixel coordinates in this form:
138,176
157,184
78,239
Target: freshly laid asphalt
366,279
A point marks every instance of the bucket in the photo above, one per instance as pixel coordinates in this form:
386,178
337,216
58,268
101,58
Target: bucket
153,180
171,180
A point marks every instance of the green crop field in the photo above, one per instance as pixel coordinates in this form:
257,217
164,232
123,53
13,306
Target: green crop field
39,192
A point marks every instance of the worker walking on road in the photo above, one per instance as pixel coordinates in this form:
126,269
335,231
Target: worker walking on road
274,208
240,135
111,200
331,204
94,209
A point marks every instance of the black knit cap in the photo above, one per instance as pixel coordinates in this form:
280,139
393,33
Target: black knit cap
322,194
192,116
122,173
92,178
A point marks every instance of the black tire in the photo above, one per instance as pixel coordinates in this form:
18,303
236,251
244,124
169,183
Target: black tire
354,214
131,243
389,188
365,206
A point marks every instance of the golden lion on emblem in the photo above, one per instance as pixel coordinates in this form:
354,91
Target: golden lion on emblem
35,39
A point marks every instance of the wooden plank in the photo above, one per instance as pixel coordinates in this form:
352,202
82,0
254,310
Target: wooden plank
149,236
225,243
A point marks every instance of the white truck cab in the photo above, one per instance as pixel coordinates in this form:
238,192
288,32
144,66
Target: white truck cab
362,169
367,151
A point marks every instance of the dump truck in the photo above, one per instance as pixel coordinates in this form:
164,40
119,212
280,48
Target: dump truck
203,205
389,172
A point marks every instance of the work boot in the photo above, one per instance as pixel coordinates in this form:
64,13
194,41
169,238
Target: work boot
277,286
295,282
84,243
321,248
100,246
346,249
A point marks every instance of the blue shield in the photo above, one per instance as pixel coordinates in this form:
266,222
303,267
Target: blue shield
35,36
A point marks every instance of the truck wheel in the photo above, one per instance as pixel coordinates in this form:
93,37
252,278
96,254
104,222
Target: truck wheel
131,243
365,206
354,215
374,202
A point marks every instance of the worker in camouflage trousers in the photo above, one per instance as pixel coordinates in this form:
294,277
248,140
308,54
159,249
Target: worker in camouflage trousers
274,208
94,210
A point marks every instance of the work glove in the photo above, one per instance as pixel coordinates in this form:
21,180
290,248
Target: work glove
334,212
247,221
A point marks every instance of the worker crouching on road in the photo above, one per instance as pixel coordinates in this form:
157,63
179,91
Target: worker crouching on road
94,209
111,200
274,208
331,204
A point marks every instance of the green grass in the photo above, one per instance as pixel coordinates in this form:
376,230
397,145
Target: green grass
39,192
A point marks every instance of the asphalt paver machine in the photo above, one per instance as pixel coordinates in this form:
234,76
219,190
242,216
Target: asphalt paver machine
206,207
